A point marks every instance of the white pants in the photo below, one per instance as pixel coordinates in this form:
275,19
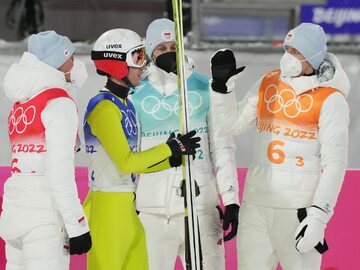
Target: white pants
266,237
165,240
42,248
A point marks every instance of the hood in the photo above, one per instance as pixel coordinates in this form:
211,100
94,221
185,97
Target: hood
331,74
30,76
339,80
166,83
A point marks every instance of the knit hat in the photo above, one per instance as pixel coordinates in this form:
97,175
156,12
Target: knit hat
159,31
51,48
310,40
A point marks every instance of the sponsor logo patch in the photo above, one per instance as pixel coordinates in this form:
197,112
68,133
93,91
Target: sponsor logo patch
114,46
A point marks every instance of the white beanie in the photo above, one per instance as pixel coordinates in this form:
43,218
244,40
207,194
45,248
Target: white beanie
159,31
51,48
310,40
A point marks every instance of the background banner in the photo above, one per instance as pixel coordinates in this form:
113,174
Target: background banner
336,17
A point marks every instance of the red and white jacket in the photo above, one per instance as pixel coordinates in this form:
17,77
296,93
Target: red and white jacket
43,127
27,132
301,146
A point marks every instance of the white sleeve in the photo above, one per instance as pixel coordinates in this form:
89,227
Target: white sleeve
222,151
236,118
60,120
334,139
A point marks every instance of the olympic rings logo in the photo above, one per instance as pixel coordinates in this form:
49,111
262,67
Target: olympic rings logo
164,108
287,101
130,122
20,119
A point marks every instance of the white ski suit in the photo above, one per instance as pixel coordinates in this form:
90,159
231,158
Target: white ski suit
41,208
159,194
299,160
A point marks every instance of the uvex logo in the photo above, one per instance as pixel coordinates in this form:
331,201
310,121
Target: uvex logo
114,46
112,55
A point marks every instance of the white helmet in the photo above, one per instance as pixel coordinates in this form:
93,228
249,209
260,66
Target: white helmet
113,52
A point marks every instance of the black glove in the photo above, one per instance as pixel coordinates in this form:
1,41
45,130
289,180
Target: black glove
231,216
223,67
174,161
183,145
80,244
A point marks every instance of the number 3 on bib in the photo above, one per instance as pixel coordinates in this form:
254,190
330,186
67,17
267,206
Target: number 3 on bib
277,156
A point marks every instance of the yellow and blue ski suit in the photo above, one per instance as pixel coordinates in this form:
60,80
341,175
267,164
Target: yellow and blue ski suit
111,137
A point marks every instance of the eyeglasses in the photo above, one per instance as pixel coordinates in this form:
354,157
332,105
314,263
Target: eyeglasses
136,57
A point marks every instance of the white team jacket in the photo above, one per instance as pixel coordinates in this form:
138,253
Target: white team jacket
45,192
308,165
215,173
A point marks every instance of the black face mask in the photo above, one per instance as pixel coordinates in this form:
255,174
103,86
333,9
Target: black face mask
167,62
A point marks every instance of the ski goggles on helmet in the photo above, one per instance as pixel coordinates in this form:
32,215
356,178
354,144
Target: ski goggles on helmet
136,57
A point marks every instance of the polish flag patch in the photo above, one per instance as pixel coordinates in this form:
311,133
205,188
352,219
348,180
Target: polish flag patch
167,35
82,221
289,36
66,249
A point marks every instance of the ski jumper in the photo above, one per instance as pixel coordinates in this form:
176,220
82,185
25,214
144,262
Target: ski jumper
41,208
299,160
159,194
111,136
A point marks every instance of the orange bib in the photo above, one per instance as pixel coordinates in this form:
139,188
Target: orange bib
278,102
288,125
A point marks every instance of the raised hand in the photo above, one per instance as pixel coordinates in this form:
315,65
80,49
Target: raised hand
223,67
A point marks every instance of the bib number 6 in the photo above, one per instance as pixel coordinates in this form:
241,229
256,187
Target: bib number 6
277,156
274,154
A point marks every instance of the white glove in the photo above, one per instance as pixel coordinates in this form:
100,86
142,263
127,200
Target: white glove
311,230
